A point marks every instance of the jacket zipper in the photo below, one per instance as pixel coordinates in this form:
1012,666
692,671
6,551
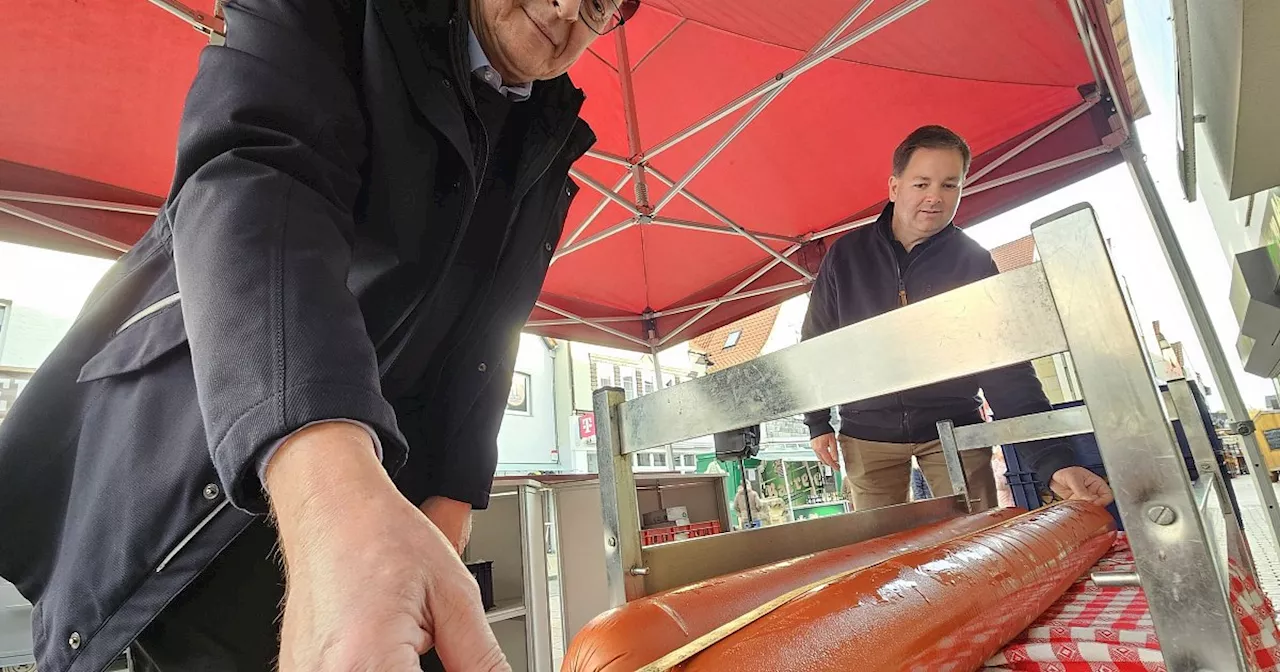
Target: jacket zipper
149,311
902,302
182,543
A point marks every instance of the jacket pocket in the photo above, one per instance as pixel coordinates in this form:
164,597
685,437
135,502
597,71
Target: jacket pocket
140,340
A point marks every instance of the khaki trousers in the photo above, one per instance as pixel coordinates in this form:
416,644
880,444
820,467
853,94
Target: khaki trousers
879,474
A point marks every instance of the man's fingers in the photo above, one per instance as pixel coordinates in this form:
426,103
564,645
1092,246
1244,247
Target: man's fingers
462,636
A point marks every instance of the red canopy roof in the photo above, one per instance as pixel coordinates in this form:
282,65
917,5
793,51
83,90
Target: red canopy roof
94,91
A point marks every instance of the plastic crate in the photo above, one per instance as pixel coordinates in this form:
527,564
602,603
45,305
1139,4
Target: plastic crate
679,532
1030,493
482,570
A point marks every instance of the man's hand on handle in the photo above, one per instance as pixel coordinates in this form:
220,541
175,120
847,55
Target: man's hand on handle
372,582
827,449
1081,484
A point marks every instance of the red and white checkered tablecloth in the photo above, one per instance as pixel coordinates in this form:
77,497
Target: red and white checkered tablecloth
1092,629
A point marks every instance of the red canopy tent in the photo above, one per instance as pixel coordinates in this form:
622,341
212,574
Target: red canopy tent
774,122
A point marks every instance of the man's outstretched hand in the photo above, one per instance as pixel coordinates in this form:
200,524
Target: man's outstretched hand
1081,484
372,583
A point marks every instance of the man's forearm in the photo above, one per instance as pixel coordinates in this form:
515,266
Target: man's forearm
319,471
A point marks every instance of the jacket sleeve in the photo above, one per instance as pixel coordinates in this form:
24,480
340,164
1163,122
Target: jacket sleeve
465,472
1014,391
822,316
271,141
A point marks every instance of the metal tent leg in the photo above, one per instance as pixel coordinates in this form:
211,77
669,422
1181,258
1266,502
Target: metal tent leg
1200,320
657,385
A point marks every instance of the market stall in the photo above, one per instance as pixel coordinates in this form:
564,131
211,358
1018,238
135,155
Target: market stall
1186,542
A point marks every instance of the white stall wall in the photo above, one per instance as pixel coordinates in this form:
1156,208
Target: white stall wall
527,440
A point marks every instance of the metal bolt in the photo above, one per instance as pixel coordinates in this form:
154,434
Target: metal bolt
1161,515
211,491
639,571
549,247
613,541
483,367
74,640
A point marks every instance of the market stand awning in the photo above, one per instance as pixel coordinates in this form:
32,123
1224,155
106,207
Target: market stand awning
776,120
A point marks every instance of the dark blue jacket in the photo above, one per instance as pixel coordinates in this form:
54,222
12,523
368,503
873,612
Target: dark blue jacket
326,172
867,273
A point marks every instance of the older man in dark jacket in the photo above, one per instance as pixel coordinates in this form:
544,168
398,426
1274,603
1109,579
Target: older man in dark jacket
322,323
911,253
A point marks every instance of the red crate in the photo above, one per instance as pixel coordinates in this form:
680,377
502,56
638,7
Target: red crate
679,533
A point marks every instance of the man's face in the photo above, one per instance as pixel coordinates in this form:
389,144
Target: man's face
531,40
927,193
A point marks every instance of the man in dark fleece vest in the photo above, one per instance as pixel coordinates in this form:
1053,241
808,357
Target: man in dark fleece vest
911,253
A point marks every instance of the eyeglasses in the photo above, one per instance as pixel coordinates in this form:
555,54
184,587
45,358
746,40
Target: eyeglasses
603,16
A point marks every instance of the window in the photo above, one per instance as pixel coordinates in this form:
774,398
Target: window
644,460
659,459
518,398
592,465
689,460
732,339
629,383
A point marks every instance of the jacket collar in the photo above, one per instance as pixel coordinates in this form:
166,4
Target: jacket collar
429,40
884,228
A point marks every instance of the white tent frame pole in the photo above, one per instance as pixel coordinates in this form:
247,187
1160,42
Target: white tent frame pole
610,158
212,26
594,238
1043,133
1067,160
608,193
846,226
733,296
754,237
1097,62
785,76
632,118
70,202
598,320
604,202
1084,40
590,323
727,297
736,231
63,227
760,106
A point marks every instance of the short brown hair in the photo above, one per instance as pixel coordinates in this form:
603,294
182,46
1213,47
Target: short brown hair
929,137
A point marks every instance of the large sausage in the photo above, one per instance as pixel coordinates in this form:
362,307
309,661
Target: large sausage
949,607
640,632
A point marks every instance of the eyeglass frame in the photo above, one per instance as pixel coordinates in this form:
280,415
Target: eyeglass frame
623,10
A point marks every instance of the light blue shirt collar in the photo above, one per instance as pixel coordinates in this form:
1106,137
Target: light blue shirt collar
483,69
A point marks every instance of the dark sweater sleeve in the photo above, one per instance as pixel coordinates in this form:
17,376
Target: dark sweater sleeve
1014,391
821,317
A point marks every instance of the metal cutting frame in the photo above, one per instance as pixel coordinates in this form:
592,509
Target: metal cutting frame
1181,533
